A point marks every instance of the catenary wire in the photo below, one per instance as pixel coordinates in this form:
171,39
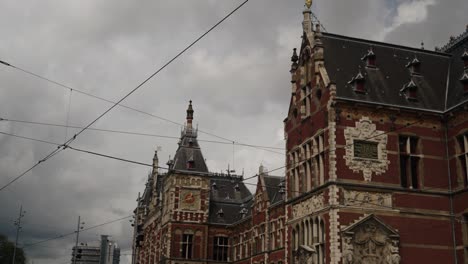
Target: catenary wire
60,148
136,133
244,179
74,232
82,150
127,107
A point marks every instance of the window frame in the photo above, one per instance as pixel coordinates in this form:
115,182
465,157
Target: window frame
187,246
221,248
410,161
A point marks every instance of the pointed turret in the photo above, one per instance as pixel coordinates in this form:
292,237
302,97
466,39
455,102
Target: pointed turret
189,155
155,161
307,22
189,115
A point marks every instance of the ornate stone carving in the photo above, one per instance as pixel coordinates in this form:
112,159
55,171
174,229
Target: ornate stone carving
365,131
367,199
304,255
308,206
370,241
189,199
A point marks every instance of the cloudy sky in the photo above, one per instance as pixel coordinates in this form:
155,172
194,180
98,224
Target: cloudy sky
237,78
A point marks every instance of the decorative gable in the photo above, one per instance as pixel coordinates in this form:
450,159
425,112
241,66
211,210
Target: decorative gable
370,241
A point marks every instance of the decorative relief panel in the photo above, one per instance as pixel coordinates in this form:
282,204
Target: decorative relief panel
367,199
189,200
366,149
369,241
308,206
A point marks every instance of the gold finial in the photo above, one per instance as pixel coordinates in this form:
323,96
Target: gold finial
308,3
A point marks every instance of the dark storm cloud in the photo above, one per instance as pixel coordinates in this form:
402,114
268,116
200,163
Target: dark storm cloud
237,76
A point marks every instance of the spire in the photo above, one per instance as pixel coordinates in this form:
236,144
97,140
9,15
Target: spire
307,23
189,115
155,161
189,156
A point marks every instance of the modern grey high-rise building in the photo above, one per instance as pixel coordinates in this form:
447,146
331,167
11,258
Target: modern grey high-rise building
107,252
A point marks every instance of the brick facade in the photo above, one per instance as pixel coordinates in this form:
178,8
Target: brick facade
376,168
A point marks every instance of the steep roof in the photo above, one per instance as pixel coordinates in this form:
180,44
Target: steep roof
438,85
273,185
228,195
188,156
189,151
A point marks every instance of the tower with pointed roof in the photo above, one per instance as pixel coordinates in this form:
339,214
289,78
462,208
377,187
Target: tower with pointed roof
185,213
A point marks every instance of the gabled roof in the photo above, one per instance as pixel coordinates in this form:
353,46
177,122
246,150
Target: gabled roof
371,219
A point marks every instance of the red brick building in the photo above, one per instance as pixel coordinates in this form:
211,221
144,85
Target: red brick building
377,152
376,168
190,215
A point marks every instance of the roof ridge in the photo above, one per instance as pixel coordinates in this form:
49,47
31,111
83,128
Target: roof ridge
386,44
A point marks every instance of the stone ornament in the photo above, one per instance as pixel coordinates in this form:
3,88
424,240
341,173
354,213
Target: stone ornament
370,241
367,199
309,206
189,199
304,255
365,131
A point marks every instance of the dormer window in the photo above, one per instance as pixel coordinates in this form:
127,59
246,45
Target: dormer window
465,58
281,190
358,83
220,213
369,58
243,212
414,66
237,188
410,91
190,163
190,143
214,187
464,81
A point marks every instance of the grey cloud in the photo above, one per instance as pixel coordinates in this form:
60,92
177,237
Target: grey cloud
237,76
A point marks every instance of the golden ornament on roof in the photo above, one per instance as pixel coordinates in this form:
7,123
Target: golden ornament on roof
308,3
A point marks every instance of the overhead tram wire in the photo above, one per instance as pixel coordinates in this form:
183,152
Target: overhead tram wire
74,232
137,134
82,150
244,179
68,142
135,109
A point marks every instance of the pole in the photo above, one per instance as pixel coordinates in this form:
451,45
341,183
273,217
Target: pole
18,227
76,241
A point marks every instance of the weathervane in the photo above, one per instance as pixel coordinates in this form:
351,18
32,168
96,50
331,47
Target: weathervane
308,3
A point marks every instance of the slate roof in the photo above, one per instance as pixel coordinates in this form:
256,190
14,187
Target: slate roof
273,186
189,150
438,83
229,194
